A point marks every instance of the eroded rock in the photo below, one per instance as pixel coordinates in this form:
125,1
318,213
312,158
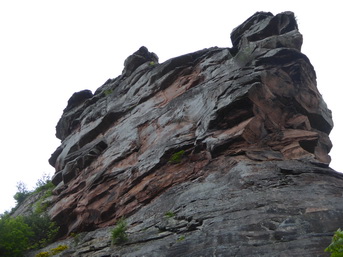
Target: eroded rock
251,133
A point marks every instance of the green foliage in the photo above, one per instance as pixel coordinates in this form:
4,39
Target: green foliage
29,232
108,92
48,187
73,235
152,63
336,246
52,251
119,234
169,214
22,193
76,237
23,233
14,236
43,183
44,230
58,249
42,254
41,206
177,157
181,238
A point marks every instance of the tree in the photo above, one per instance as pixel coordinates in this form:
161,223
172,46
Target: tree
14,236
44,230
22,192
43,182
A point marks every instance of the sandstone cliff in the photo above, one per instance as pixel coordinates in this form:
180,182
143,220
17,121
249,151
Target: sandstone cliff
232,143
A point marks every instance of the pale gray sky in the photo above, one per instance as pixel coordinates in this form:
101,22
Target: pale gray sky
50,49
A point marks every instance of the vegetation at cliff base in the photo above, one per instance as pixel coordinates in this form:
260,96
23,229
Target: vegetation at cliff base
336,246
15,236
44,230
32,231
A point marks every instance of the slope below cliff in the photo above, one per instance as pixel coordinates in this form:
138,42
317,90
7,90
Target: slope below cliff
233,142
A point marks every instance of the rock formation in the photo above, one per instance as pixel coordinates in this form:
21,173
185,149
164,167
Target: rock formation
232,143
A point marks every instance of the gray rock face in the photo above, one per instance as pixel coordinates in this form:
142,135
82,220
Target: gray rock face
232,143
270,208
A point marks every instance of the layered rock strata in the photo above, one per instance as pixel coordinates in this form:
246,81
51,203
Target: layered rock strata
233,141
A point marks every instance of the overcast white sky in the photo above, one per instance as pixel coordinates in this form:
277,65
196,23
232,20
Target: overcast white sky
50,49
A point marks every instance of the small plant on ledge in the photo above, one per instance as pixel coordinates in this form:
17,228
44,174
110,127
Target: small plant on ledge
58,249
53,251
119,235
107,92
169,214
181,238
177,157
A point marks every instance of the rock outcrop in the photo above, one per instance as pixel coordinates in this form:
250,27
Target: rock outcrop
231,142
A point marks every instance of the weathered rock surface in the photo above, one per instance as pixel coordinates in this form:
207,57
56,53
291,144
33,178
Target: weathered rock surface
243,208
233,141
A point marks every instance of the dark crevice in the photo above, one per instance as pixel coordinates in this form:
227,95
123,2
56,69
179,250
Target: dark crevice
308,145
318,122
233,114
90,151
229,144
104,125
282,57
315,170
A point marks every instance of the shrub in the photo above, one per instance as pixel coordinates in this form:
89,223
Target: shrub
176,157
181,238
30,232
44,230
52,251
77,238
58,249
336,246
169,214
41,206
22,193
107,92
119,234
49,186
43,183
42,254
